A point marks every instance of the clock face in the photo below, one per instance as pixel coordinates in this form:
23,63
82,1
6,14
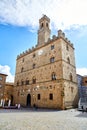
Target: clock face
40,52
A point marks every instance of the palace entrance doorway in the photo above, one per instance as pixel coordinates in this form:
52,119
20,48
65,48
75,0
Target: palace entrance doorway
28,100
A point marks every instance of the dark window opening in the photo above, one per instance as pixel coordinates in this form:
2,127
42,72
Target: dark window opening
18,83
50,86
27,82
34,65
51,96
38,96
52,47
34,55
53,76
34,80
42,25
46,24
52,60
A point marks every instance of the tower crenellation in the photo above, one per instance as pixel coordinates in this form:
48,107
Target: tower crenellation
62,35
54,37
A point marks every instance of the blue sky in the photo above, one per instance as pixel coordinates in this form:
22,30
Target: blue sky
19,25
14,40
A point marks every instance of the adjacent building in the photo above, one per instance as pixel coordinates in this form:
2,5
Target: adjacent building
2,85
8,93
80,80
82,87
46,74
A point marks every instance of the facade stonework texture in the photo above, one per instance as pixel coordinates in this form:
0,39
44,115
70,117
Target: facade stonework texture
46,74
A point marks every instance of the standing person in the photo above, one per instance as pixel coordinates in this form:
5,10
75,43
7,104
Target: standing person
82,109
19,106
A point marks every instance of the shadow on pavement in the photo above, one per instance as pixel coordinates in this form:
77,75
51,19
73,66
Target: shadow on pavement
21,110
82,115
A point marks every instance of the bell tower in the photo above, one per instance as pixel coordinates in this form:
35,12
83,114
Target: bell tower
44,31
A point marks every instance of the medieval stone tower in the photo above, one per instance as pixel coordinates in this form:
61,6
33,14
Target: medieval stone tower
44,31
46,74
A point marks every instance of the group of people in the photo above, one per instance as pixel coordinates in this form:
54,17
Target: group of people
18,106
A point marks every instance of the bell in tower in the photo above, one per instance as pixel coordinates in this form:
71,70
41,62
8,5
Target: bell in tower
44,31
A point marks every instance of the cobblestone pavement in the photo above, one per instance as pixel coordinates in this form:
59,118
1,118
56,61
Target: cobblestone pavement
26,119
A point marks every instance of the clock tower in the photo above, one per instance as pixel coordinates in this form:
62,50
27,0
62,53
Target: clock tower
44,31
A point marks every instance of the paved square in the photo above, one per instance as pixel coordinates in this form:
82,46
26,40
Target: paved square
26,119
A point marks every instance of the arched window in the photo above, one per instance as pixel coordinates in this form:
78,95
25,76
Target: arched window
34,80
52,47
71,78
53,76
27,82
22,82
41,25
52,59
46,24
68,60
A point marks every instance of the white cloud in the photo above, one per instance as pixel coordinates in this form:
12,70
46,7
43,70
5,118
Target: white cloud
63,13
81,71
6,70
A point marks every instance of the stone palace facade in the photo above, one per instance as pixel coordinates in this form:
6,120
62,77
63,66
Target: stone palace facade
46,74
